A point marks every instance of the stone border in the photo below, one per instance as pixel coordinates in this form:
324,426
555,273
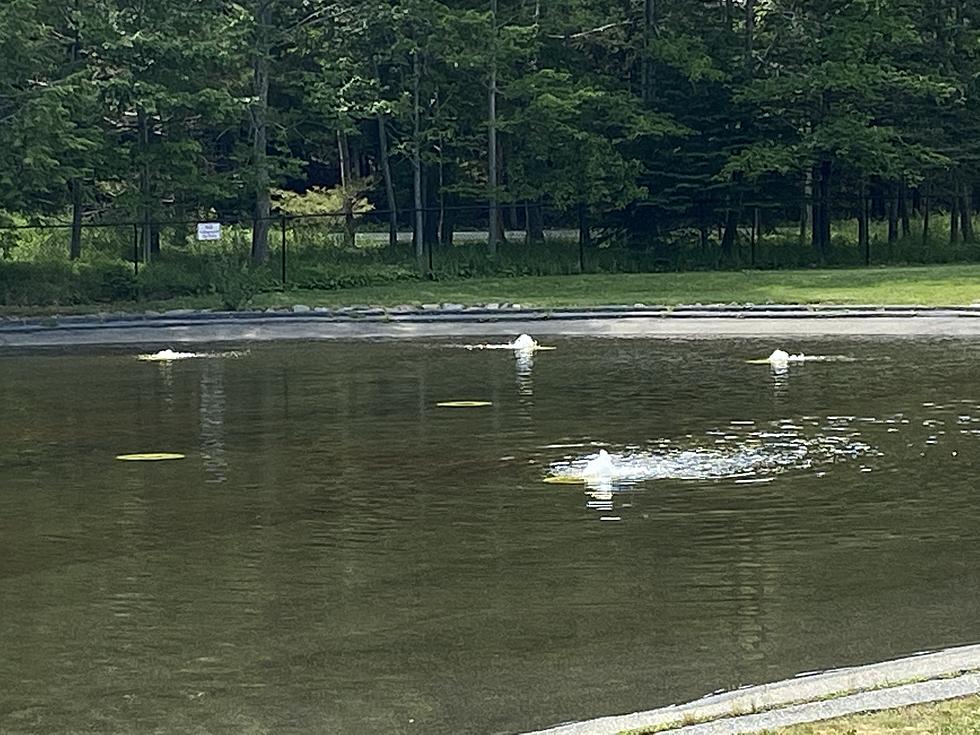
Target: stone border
807,698
455,320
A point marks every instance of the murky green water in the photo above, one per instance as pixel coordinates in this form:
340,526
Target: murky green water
338,555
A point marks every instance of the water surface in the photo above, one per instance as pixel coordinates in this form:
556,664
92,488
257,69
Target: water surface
339,555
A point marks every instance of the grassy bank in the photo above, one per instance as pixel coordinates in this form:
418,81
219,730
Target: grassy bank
955,717
930,285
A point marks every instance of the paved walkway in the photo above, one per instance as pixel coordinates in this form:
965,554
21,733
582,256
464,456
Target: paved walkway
302,323
902,682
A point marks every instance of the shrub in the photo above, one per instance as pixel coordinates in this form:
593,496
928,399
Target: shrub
62,283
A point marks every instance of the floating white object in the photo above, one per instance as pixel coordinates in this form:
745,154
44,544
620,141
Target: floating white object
781,358
524,342
150,457
167,356
599,468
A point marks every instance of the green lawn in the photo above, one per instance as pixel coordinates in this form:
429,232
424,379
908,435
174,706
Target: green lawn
931,285
955,717
943,285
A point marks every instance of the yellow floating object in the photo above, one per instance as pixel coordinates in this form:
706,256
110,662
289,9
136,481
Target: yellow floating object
150,457
564,480
464,404
764,361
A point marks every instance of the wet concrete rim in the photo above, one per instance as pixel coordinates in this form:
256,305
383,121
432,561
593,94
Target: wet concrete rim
370,323
929,677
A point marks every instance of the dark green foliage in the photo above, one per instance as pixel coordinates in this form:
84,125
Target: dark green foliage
656,128
63,283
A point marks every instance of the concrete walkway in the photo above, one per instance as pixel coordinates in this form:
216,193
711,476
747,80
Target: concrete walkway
448,320
914,680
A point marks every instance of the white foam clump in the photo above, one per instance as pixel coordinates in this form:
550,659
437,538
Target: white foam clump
601,467
524,343
167,356
759,454
781,357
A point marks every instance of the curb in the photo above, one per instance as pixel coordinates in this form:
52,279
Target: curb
806,698
460,314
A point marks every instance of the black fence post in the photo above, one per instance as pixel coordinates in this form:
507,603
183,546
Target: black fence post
282,228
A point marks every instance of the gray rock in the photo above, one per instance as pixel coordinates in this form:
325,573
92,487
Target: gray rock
492,307
322,310
430,307
301,309
178,312
452,307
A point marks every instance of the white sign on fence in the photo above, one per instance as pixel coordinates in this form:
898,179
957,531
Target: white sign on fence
208,230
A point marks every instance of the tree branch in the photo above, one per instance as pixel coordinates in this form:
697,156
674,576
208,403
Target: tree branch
590,32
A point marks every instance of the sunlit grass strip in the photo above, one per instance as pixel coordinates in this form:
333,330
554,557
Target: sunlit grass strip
826,727
952,717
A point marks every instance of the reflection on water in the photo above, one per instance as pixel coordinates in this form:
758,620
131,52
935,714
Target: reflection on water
524,362
212,421
337,554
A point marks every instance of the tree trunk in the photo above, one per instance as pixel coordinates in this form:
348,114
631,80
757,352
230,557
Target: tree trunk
513,220
75,247
864,241
146,233
646,63
155,238
806,209
749,33
349,235
389,185
535,222
584,230
815,213
418,229
892,206
826,206
355,159
430,192
260,132
730,236
966,214
954,220
584,234
343,154
446,229
903,209
493,213
441,222
926,202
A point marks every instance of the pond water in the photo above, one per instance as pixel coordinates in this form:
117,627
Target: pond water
338,554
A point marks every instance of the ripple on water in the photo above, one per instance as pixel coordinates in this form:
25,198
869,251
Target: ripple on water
750,454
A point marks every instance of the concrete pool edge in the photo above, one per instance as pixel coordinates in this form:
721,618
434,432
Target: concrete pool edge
919,679
695,321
